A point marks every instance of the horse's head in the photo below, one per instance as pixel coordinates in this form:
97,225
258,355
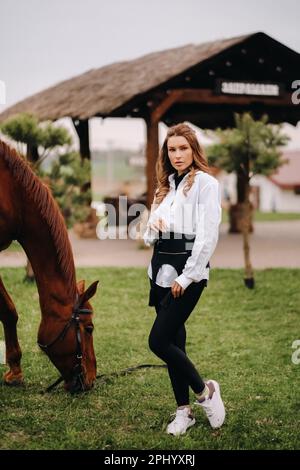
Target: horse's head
72,350
85,373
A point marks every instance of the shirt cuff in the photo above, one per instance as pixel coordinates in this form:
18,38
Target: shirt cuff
184,281
150,237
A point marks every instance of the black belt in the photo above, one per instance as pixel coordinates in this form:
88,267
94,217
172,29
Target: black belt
171,248
175,243
174,249
171,242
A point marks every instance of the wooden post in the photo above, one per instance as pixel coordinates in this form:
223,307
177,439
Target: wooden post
152,149
82,129
151,155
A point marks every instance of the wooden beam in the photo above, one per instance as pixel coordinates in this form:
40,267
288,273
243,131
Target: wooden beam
207,96
172,97
82,129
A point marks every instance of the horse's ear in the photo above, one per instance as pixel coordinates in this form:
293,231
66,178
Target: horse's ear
88,294
80,287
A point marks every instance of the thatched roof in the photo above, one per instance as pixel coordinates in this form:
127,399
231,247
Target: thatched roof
99,92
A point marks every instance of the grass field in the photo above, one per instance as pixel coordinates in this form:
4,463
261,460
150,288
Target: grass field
267,216
15,246
240,337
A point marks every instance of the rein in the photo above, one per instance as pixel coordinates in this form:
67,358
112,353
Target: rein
105,377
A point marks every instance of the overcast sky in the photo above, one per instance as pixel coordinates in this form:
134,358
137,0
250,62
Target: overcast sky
43,42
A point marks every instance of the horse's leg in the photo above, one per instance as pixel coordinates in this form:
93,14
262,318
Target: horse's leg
9,318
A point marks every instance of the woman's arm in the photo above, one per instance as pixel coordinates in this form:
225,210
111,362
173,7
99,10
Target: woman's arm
207,233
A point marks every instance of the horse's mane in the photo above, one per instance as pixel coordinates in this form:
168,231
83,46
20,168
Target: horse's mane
48,208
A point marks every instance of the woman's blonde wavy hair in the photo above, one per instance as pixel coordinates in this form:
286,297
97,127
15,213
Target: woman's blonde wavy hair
164,167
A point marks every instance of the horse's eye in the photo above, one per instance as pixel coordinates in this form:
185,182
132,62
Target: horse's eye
89,329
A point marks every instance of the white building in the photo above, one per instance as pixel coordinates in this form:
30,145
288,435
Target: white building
277,193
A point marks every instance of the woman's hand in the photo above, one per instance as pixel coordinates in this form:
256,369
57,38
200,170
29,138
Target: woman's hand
177,290
159,225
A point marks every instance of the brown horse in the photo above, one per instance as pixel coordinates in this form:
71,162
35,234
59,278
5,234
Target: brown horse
29,214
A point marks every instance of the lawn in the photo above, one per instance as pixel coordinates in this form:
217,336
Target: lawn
241,338
267,216
15,246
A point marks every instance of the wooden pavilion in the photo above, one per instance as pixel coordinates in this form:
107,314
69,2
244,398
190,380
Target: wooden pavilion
203,84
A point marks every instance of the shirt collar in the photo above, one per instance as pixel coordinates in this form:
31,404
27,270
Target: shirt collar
171,177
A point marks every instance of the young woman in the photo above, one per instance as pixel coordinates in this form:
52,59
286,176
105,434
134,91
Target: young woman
183,227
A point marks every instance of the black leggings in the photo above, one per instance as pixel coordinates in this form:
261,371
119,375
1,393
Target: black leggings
168,337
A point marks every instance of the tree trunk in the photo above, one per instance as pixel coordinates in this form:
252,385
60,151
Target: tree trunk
242,183
237,211
32,154
249,277
236,216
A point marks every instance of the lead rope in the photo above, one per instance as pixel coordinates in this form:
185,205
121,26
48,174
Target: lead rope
104,378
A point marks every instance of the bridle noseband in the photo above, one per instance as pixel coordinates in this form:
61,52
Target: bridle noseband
77,371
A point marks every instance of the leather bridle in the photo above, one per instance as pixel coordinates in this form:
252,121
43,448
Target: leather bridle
77,376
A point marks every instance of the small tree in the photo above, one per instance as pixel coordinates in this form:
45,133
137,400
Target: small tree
69,181
40,138
252,147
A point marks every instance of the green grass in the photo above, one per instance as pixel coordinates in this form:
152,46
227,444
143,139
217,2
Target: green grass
267,216
275,216
121,170
15,246
240,337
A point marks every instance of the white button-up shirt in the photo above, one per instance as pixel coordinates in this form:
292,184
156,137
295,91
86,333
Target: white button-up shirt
199,214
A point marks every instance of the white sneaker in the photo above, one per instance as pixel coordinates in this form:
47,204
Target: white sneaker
213,405
183,420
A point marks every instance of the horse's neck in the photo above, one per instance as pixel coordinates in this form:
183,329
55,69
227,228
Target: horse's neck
54,289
